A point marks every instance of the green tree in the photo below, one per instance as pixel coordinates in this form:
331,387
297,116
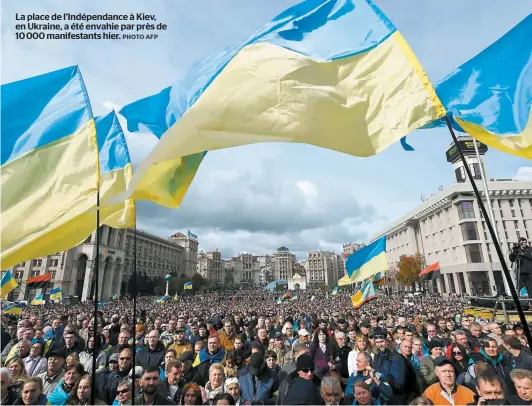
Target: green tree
408,268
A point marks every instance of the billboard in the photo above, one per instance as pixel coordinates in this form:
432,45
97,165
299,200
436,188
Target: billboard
467,147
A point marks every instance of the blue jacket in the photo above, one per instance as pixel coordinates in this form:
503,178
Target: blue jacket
266,386
380,393
391,364
58,395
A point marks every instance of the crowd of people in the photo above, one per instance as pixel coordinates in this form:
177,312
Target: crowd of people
239,347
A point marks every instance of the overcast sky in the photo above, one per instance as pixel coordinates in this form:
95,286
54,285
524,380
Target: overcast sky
260,197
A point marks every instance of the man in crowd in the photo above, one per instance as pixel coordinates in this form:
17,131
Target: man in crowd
151,395
445,391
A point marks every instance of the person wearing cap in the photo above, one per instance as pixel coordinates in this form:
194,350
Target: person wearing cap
257,382
391,365
232,386
364,326
300,387
54,371
446,391
279,348
180,344
125,361
303,338
426,365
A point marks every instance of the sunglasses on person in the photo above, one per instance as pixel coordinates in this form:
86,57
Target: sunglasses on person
124,358
123,391
457,353
306,370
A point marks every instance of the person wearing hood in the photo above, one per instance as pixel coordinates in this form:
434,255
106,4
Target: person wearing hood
152,353
257,382
125,361
492,356
301,387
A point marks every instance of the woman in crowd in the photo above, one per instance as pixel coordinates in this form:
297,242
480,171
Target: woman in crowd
124,392
223,399
35,363
323,350
71,360
62,391
459,358
191,395
86,357
362,344
81,393
18,374
216,381
169,356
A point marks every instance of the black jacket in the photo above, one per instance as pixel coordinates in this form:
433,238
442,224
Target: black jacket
159,400
147,357
164,390
287,384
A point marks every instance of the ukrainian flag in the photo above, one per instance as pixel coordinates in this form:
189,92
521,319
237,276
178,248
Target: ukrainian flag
378,277
49,164
8,284
365,294
115,172
115,297
366,262
490,96
56,295
335,291
14,309
332,73
187,286
39,300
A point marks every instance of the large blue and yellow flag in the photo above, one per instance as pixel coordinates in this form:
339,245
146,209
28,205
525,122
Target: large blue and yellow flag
8,284
56,295
188,285
115,172
366,262
335,74
14,309
490,96
364,295
49,158
38,301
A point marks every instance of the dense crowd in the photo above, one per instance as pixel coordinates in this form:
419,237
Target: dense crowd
241,347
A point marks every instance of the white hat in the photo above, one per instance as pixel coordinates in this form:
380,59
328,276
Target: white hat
138,371
303,332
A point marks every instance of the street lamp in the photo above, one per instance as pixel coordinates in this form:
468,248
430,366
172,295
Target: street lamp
167,278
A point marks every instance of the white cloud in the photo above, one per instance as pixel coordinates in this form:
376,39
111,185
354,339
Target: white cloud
308,189
524,173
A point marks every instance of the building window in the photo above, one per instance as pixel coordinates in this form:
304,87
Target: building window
469,231
54,262
36,262
475,170
466,210
19,274
513,213
35,273
474,253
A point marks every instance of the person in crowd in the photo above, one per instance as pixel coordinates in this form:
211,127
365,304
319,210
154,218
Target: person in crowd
169,356
427,367
206,357
124,393
167,336
18,374
8,395
459,357
70,342
515,357
150,394
489,388
35,363
86,357
172,386
54,371
379,388
81,393
391,365
223,399
301,387
362,344
191,395
331,391
446,391
62,391
288,368
215,385
32,393
123,342
257,381
522,380
152,353
125,362
492,356
180,343
232,386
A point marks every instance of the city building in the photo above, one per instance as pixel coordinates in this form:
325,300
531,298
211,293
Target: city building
234,271
73,269
190,253
323,268
211,266
283,263
449,227
348,249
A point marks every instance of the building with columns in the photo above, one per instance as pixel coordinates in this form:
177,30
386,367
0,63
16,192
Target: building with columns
323,268
190,252
73,270
449,227
211,266
283,263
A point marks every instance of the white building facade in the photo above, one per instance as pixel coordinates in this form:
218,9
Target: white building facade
323,268
450,228
283,263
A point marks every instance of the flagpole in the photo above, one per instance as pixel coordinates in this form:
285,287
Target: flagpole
96,280
500,254
490,207
134,306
